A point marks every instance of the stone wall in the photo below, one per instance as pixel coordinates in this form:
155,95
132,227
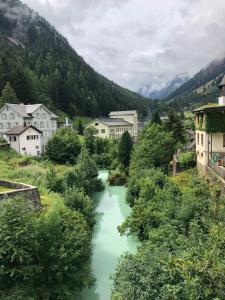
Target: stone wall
21,190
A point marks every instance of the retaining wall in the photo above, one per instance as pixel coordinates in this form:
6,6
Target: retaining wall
26,191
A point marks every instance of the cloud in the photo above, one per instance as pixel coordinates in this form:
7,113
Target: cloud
140,42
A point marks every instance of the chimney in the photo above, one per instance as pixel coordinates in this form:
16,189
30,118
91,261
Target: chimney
222,92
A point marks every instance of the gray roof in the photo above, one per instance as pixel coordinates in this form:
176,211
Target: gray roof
125,112
17,130
27,110
222,82
114,122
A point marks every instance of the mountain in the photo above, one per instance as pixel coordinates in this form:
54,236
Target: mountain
42,67
200,89
161,93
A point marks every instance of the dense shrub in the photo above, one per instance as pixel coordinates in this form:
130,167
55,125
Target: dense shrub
117,178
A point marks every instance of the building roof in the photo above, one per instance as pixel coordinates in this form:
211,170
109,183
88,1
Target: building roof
209,107
18,130
222,82
27,110
125,112
114,122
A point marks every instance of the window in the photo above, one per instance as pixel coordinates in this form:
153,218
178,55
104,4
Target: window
38,116
202,154
111,130
16,123
8,125
202,140
224,140
198,139
46,124
42,124
14,138
117,129
1,126
12,116
103,131
37,147
96,124
24,149
4,117
43,116
36,124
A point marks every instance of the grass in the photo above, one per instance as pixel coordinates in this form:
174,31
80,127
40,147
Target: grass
182,179
34,174
5,189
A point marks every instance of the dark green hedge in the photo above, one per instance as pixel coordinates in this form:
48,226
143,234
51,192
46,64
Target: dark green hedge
215,122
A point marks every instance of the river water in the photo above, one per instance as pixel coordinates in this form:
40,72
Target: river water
108,245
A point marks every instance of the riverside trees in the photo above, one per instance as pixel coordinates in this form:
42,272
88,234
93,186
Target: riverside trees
179,223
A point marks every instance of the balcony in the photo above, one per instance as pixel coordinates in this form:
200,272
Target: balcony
217,163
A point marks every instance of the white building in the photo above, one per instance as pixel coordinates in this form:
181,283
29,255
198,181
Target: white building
210,135
129,116
37,115
110,128
25,140
114,126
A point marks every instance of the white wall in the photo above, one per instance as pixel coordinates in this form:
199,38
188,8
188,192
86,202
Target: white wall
9,119
131,118
114,132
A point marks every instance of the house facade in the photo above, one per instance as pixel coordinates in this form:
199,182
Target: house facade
210,135
37,115
129,116
110,128
25,140
117,123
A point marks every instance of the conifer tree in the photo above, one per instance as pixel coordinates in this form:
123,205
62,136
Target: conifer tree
80,127
8,95
125,148
156,118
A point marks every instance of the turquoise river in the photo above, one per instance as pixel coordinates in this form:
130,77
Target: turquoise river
108,245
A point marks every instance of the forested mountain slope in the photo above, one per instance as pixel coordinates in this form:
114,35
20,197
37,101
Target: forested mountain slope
202,88
42,67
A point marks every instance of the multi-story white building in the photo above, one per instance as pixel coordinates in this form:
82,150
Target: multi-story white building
117,123
129,116
38,115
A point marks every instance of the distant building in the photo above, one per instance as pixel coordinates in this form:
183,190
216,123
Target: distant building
110,128
210,135
25,140
129,116
114,126
38,115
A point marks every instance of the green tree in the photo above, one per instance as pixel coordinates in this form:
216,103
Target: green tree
64,146
76,199
80,127
156,118
8,95
124,149
153,149
174,125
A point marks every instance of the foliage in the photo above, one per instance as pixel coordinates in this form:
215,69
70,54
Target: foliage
124,149
154,148
76,199
84,174
46,69
175,126
80,127
64,146
8,95
117,178
214,122
54,182
156,118
187,159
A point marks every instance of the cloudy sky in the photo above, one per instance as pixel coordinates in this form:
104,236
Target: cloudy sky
139,42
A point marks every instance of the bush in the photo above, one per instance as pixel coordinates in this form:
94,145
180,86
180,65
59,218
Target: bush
64,146
187,160
117,178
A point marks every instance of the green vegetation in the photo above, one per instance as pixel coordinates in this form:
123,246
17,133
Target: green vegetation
117,178
8,95
124,149
214,122
46,254
45,69
64,146
180,222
